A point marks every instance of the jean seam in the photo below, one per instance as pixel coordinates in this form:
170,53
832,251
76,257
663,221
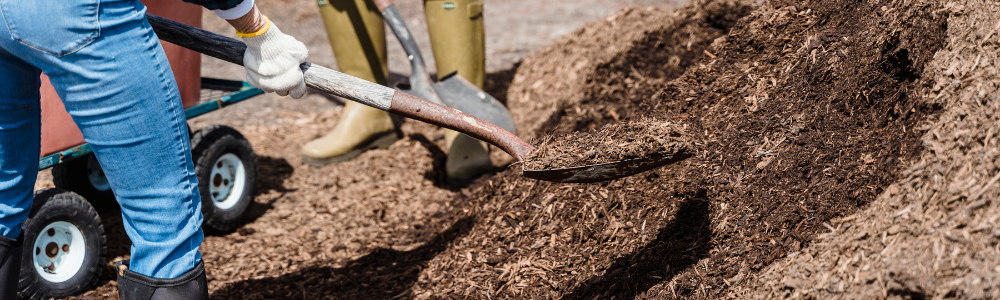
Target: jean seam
175,125
90,39
165,85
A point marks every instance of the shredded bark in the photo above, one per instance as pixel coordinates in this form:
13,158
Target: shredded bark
614,142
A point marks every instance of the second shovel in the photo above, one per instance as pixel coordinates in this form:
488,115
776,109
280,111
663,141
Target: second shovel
451,90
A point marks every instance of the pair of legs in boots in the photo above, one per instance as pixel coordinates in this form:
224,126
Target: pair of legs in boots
357,34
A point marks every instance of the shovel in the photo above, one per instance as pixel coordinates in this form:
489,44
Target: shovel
409,106
452,90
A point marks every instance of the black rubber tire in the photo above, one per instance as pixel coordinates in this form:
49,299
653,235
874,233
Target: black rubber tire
53,205
207,145
72,175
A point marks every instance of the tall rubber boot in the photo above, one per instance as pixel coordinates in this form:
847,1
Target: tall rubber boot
10,266
357,36
191,285
458,41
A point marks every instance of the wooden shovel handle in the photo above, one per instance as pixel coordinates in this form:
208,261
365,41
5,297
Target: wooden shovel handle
197,39
349,87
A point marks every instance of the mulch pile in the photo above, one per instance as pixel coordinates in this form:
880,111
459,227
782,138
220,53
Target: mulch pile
934,233
840,149
551,80
801,111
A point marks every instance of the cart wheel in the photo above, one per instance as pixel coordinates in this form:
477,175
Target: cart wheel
226,167
64,246
85,177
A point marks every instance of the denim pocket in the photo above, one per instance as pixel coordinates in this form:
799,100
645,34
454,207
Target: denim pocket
58,27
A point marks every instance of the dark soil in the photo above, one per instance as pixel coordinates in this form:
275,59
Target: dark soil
615,142
805,111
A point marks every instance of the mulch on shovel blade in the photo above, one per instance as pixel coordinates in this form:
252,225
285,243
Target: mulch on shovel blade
614,142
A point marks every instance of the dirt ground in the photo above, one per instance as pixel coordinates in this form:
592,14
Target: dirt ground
841,149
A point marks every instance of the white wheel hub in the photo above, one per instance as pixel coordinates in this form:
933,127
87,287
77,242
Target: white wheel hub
58,251
96,175
227,180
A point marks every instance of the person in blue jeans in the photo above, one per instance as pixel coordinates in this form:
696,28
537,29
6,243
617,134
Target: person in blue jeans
111,73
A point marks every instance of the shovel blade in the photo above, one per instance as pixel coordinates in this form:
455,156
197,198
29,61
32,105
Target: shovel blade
424,91
605,171
459,93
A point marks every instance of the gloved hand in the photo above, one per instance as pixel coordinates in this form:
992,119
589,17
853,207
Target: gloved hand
272,61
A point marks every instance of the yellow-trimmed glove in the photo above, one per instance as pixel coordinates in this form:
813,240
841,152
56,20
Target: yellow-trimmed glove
272,61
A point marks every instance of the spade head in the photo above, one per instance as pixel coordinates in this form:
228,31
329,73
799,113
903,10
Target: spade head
459,93
605,171
420,88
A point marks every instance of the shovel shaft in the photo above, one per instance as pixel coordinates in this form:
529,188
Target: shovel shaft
197,39
349,87
413,107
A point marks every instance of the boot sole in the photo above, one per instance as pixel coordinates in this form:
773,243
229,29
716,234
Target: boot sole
382,142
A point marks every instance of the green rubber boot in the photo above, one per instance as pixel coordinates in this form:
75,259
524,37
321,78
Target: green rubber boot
459,45
357,36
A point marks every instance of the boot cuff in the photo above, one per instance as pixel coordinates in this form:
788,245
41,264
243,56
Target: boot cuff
138,286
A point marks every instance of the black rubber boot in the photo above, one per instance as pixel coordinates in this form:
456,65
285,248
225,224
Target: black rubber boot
10,258
189,286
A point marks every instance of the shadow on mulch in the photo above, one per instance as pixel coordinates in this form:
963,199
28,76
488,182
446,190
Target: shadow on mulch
271,175
382,274
680,244
436,175
496,84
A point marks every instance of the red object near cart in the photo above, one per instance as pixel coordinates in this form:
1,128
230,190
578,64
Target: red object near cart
58,130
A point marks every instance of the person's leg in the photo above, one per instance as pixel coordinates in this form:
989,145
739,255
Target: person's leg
459,45
20,129
357,35
117,84
19,147
458,38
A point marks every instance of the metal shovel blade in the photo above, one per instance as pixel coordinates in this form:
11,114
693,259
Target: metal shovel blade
451,90
604,171
461,94
421,90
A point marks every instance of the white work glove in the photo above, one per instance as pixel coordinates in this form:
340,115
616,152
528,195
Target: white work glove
272,61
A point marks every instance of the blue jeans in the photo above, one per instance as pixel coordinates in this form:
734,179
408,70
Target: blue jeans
110,71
